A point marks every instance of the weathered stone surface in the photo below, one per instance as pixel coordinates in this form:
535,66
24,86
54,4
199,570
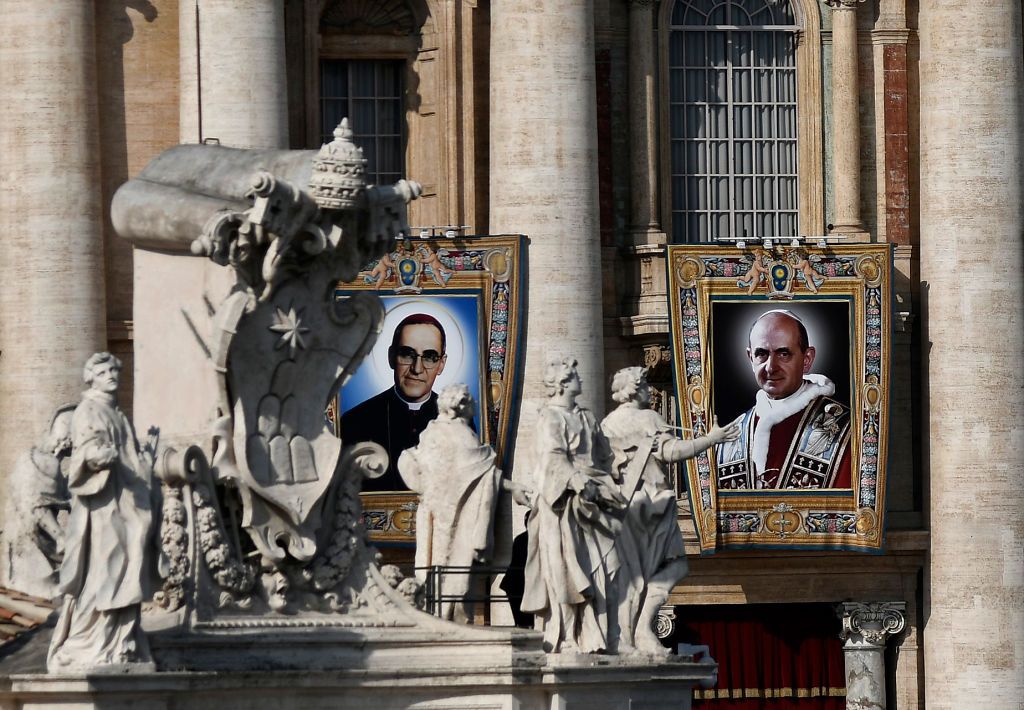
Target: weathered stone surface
972,222
458,483
105,573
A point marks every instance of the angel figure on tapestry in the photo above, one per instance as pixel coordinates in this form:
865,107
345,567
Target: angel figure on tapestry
458,483
651,545
106,569
576,516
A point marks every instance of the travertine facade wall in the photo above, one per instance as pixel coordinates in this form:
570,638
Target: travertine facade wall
52,309
91,93
232,78
137,88
972,247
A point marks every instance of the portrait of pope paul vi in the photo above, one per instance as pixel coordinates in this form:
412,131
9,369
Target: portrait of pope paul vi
396,417
795,435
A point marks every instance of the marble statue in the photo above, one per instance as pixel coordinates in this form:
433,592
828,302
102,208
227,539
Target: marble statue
458,483
650,544
36,512
278,518
105,572
576,517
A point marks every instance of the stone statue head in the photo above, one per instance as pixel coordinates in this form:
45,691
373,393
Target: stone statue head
455,401
630,385
102,372
58,436
560,375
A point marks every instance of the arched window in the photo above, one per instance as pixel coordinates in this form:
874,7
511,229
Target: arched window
733,119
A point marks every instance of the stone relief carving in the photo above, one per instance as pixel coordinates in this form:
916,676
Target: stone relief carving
36,512
458,483
871,623
650,544
275,516
105,572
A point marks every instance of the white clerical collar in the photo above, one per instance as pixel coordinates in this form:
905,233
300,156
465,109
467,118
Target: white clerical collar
413,406
772,411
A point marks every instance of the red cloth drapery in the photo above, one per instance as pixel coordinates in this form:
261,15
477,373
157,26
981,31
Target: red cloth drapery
770,656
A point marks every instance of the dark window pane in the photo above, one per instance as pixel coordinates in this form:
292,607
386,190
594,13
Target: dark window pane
362,78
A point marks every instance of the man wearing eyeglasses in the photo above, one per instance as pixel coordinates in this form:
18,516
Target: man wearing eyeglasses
396,417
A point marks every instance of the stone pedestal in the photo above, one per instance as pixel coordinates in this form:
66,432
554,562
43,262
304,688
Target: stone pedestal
423,678
866,628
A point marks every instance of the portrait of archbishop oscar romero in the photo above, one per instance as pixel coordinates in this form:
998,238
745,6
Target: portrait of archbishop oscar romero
395,417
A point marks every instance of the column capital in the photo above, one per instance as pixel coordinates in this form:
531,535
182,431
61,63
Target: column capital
642,4
836,5
871,623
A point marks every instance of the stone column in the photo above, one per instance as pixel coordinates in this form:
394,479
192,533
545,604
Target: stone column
233,90
972,248
647,311
543,172
845,119
52,304
866,628
645,227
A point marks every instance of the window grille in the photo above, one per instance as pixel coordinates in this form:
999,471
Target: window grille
369,94
733,119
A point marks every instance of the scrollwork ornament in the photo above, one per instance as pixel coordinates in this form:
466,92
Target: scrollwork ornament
331,568
665,622
873,622
230,575
174,543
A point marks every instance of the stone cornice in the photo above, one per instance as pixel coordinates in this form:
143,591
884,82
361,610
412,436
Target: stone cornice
890,36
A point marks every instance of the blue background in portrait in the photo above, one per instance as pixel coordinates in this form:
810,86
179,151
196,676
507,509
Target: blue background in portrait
458,308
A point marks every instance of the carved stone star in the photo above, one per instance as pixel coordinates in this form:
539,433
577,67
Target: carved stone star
289,325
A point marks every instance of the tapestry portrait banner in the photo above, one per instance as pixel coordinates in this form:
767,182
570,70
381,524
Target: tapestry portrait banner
451,316
791,345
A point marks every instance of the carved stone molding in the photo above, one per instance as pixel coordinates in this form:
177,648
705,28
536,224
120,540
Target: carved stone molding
657,359
866,628
871,623
665,621
843,4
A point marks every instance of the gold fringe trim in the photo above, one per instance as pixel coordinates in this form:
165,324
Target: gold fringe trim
740,693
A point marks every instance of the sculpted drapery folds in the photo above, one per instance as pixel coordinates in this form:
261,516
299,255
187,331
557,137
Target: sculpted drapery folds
576,516
458,483
105,571
36,512
650,544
